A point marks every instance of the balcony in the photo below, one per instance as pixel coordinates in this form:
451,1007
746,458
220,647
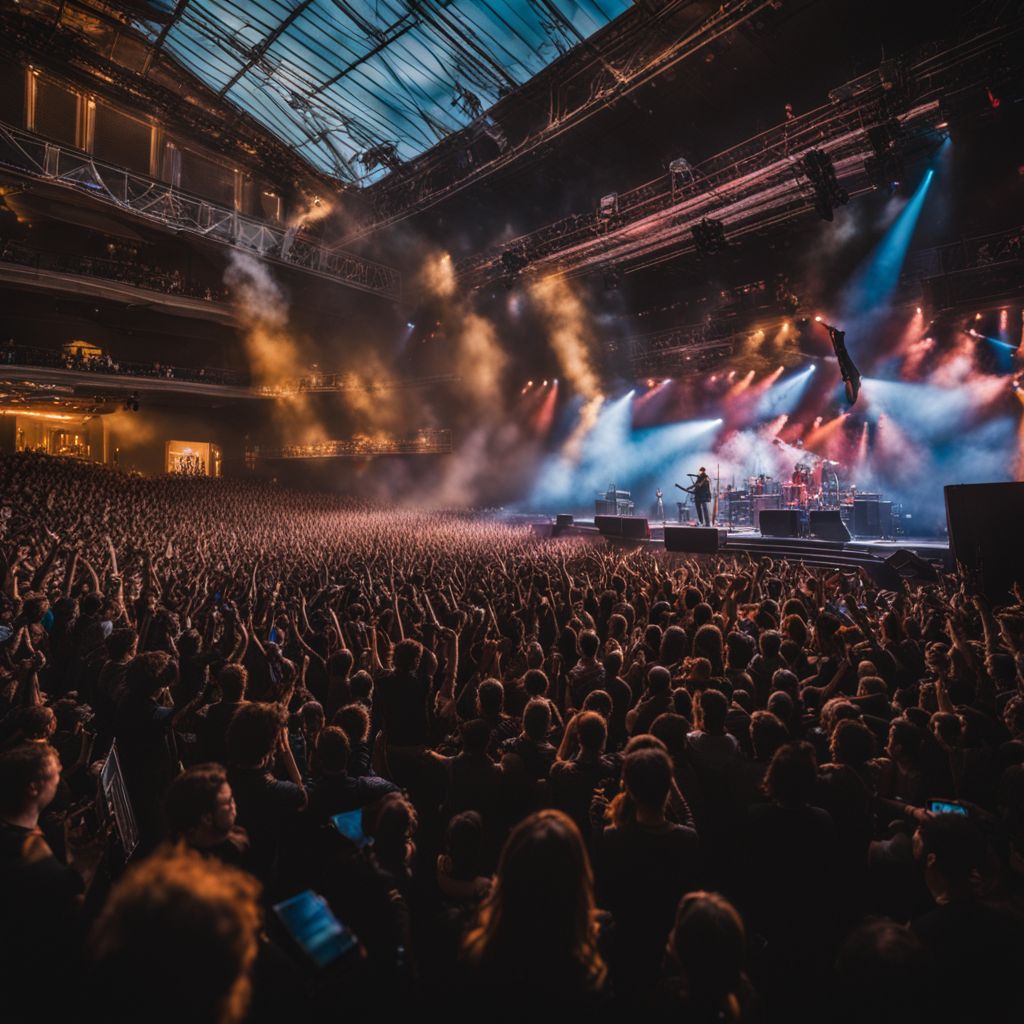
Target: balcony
155,201
114,280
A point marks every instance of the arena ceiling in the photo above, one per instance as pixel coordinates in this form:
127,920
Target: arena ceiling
357,86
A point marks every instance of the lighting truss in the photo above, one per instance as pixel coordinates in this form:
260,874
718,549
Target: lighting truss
681,350
155,201
758,183
647,41
423,442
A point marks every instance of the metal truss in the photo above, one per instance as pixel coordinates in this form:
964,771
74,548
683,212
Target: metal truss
71,38
967,254
334,382
159,203
758,183
682,350
648,41
423,442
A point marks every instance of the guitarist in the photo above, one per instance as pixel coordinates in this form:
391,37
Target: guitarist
702,497
701,491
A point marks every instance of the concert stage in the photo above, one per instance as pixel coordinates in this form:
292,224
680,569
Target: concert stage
871,554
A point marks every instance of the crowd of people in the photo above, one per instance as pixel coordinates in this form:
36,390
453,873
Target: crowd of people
14,354
404,761
122,263
189,464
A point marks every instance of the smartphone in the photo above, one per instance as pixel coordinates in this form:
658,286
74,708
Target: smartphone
946,807
310,922
350,825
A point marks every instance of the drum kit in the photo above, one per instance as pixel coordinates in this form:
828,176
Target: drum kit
811,486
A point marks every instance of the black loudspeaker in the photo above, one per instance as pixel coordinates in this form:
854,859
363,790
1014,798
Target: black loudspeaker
562,523
865,518
698,540
634,528
885,518
780,522
608,526
760,502
911,567
872,518
985,536
826,524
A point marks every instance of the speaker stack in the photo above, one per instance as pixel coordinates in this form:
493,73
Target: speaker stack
985,534
871,516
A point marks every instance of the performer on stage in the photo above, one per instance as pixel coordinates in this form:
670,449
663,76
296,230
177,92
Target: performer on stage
702,497
659,505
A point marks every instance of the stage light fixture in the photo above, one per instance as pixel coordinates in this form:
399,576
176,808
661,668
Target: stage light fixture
821,173
886,166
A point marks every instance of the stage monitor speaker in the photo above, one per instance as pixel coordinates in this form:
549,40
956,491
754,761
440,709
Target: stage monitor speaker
780,522
634,528
910,566
827,524
608,526
542,531
697,540
984,522
562,523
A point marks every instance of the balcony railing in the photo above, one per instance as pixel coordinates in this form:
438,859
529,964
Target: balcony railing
423,442
179,211
138,275
27,355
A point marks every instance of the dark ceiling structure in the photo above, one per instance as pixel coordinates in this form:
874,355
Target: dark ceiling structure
360,86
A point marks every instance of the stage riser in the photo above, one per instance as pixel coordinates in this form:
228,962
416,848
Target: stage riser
813,552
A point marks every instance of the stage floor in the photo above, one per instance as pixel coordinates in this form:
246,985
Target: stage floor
856,551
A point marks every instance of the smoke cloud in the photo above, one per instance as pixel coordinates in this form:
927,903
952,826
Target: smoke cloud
274,354
567,320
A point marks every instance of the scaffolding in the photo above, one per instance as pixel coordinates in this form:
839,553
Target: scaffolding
33,156
423,442
762,181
